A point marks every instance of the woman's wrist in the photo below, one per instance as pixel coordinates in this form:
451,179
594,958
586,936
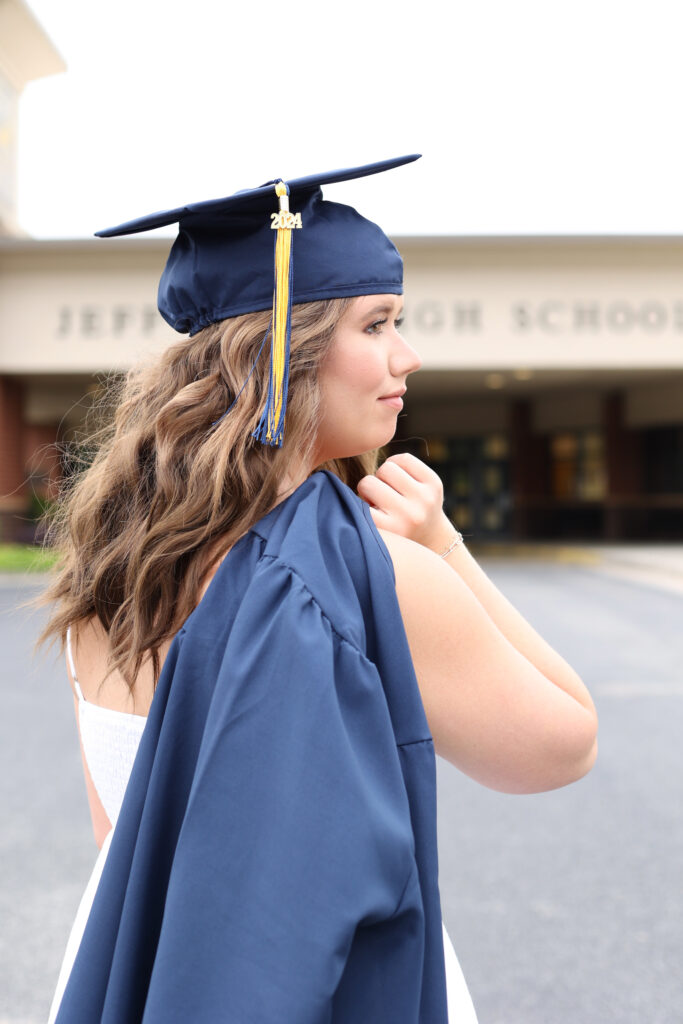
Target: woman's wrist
445,538
455,542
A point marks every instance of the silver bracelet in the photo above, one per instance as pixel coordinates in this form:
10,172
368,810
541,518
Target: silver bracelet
458,539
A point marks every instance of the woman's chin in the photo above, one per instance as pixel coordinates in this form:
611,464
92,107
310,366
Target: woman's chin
347,445
369,444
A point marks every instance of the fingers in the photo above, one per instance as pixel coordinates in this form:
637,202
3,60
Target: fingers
381,520
412,478
380,494
413,466
406,497
395,481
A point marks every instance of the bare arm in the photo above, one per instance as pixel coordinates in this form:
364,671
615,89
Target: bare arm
501,703
515,627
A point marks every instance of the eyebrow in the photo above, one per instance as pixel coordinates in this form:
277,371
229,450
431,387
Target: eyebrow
382,309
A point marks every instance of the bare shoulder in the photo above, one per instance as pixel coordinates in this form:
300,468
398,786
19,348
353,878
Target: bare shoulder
100,685
419,570
400,548
438,608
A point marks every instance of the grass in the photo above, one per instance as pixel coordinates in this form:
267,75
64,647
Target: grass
25,558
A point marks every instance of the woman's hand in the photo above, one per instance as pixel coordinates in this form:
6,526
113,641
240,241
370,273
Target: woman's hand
406,497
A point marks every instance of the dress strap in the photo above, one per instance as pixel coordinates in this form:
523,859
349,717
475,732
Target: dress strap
69,654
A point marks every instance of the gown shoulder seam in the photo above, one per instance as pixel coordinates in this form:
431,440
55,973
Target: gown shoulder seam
337,633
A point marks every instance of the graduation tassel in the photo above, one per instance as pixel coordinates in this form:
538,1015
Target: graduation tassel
271,426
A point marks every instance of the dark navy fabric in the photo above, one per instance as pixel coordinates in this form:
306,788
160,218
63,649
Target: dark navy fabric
275,858
221,264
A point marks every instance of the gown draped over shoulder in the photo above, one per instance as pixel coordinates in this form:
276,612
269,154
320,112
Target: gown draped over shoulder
111,740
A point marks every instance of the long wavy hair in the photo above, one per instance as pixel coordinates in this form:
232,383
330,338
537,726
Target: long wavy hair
170,489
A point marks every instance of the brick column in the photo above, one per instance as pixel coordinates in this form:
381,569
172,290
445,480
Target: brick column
13,491
41,459
623,463
528,467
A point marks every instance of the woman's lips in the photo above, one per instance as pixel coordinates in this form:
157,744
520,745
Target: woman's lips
395,401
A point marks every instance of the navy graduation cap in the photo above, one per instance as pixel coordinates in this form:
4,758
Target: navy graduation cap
227,260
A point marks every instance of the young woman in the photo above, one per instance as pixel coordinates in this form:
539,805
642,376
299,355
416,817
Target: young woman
267,641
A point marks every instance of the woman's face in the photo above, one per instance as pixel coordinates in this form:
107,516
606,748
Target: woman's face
362,378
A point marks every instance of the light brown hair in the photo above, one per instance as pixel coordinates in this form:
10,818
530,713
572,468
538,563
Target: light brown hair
170,489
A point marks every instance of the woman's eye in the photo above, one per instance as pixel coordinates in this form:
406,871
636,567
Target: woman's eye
376,328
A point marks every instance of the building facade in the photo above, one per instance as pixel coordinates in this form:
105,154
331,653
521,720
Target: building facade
550,398
553,384
26,54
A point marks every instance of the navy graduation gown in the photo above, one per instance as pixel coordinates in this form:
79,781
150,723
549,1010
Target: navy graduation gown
275,858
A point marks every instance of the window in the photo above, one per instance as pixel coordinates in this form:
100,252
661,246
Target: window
578,465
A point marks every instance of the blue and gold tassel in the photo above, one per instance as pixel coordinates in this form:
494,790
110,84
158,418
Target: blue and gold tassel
271,427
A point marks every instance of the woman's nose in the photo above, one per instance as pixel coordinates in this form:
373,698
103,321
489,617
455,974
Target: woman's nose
405,359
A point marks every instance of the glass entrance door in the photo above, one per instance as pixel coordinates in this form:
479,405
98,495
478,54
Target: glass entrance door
476,478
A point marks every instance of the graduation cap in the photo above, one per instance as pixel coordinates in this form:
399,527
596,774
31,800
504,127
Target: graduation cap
227,260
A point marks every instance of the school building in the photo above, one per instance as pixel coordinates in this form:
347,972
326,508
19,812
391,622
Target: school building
550,399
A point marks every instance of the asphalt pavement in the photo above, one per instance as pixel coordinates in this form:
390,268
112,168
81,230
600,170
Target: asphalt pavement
563,907
567,906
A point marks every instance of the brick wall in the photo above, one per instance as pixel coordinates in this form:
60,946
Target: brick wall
13,491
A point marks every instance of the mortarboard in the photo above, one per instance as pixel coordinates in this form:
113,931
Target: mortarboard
227,261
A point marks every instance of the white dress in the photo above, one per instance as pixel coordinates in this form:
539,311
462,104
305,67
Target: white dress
110,741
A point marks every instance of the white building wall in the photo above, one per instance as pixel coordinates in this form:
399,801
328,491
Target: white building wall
559,321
